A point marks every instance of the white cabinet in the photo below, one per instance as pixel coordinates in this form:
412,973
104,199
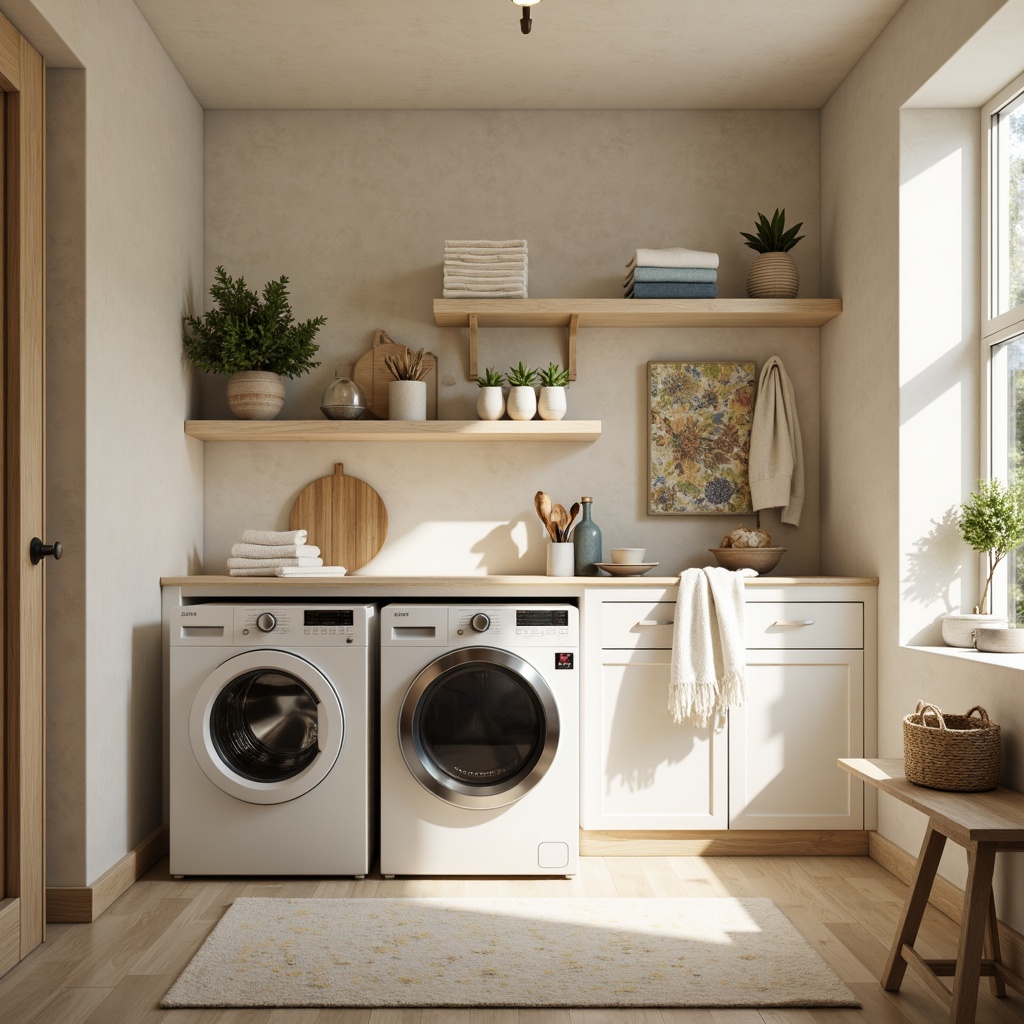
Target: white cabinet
772,763
640,770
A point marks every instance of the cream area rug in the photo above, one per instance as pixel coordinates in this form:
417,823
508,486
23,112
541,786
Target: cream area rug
376,952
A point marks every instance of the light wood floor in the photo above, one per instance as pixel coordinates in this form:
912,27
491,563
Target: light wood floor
116,970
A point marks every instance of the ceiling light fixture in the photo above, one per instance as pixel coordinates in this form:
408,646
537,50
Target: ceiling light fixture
525,22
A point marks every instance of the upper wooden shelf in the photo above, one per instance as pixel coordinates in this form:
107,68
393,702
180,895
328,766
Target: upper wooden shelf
637,312
394,430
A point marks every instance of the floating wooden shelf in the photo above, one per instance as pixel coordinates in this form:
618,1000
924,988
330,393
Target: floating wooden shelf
576,313
393,430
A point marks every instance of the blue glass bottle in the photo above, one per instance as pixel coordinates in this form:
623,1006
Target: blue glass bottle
586,542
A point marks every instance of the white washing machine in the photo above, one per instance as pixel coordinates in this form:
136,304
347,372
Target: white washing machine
479,739
272,738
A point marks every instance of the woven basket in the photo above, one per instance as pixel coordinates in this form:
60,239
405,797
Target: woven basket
953,752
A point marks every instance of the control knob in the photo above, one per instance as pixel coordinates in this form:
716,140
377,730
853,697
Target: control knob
265,622
480,622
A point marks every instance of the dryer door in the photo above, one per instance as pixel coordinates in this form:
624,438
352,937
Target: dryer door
479,727
266,726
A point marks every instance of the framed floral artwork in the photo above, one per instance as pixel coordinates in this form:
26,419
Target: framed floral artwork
700,416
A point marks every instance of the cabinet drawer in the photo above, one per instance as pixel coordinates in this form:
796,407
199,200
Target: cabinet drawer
812,626
637,625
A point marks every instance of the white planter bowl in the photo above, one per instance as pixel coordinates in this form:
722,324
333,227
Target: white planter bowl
958,630
996,640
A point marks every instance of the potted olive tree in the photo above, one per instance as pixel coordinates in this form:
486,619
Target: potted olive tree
773,275
254,340
991,521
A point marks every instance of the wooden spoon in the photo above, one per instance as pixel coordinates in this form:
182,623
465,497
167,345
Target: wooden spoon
543,505
560,520
573,513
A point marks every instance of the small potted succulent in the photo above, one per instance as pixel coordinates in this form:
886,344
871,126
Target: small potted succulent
522,399
254,340
773,274
490,403
990,521
407,393
553,382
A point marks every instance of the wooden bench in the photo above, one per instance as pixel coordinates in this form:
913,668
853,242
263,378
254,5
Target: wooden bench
984,824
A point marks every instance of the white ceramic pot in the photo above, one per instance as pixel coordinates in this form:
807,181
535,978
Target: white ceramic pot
522,402
958,630
407,400
996,640
551,404
255,394
561,559
773,275
490,403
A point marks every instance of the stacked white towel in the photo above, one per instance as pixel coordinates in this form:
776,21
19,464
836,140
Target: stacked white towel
485,269
263,552
672,274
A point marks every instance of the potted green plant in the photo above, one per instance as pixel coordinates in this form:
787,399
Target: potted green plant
773,274
490,403
522,399
991,521
553,382
254,340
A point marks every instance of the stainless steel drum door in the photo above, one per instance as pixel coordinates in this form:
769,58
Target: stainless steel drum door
266,727
479,727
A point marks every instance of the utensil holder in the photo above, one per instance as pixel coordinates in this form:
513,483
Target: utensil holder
561,559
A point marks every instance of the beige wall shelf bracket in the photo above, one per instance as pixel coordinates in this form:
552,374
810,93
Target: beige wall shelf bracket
473,371
574,329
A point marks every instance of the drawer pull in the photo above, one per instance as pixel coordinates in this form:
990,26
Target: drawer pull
794,622
656,622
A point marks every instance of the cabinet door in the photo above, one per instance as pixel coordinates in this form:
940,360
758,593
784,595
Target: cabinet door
640,769
804,709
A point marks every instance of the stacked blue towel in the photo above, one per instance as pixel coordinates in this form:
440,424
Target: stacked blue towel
672,274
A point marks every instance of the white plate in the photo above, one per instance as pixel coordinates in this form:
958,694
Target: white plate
626,569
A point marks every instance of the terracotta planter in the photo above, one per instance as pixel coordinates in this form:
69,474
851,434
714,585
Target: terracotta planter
773,275
255,394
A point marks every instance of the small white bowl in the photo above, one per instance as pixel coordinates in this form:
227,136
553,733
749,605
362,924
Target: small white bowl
628,556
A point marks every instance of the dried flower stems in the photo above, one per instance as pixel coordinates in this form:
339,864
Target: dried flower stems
407,366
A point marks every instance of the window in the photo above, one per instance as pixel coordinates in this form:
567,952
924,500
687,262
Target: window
1003,316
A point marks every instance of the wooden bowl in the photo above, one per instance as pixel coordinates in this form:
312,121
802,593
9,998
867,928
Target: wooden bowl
763,560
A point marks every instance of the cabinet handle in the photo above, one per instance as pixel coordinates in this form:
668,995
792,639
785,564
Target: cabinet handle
656,622
794,622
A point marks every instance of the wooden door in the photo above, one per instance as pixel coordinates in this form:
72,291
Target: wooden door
22,881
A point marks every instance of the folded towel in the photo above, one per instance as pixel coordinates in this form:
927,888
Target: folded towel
776,462
269,571
275,551
271,563
491,284
512,259
491,270
674,258
674,290
274,536
457,293
321,570
484,243
671,274
708,672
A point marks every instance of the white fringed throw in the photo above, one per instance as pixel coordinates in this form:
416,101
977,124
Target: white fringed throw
708,645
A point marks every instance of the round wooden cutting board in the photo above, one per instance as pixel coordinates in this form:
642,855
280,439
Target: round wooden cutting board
344,517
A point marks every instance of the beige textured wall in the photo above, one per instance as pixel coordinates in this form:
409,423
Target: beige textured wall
355,206
124,488
901,376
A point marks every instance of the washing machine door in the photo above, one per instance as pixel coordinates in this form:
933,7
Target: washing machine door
479,727
266,726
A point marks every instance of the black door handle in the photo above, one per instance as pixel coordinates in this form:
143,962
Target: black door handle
37,550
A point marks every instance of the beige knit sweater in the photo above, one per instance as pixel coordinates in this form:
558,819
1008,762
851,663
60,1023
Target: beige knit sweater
776,467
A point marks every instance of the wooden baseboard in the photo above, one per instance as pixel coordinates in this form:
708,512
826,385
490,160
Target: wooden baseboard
725,843
83,904
945,897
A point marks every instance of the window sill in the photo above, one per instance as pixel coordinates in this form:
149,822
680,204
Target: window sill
969,654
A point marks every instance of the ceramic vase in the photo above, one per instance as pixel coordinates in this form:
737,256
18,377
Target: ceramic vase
773,275
560,559
522,402
407,400
551,404
490,403
255,394
586,540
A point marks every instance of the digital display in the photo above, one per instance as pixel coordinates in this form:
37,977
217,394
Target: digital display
542,617
328,617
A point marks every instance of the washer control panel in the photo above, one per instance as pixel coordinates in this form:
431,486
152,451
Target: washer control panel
276,625
492,625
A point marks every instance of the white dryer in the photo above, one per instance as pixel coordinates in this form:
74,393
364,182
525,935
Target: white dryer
272,737
479,739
